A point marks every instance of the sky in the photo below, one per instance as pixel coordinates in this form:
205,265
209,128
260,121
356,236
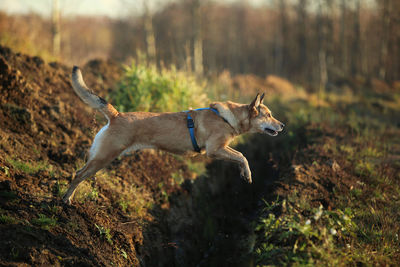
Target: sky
111,8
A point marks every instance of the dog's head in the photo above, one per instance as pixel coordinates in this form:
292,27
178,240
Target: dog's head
261,119
253,118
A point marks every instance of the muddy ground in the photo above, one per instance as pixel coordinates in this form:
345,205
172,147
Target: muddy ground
148,209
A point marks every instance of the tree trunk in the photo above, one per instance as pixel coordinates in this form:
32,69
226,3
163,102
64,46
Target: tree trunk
356,47
321,57
282,40
329,36
301,39
384,40
197,38
149,34
55,28
343,38
233,44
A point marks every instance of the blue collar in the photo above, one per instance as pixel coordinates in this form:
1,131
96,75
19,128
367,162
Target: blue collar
190,125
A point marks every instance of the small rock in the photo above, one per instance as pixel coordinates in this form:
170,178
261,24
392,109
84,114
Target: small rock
334,165
296,167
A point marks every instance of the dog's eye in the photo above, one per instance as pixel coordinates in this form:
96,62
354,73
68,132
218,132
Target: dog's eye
269,115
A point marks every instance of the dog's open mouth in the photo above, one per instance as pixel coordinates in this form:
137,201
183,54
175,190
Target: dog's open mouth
271,132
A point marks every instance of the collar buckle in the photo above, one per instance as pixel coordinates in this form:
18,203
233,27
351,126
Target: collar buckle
190,123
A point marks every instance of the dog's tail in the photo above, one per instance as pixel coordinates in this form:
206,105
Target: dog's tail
89,97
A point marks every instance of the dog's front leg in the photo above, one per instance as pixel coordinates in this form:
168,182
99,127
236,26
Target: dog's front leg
228,153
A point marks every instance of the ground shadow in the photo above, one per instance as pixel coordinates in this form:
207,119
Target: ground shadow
211,223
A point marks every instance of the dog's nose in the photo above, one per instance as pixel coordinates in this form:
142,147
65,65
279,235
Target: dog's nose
282,124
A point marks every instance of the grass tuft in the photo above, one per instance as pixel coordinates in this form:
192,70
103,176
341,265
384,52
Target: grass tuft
28,167
45,222
105,233
5,219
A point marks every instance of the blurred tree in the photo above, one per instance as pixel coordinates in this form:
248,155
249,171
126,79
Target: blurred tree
356,46
282,39
197,37
321,32
149,33
343,39
386,22
55,28
302,38
313,42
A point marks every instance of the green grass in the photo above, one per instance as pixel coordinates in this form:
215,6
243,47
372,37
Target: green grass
145,88
104,233
124,205
53,209
60,188
93,194
124,254
177,177
73,226
5,169
5,219
87,191
45,222
197,167
163,195
28,167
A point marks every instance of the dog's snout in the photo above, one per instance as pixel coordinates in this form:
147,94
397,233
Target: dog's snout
281,125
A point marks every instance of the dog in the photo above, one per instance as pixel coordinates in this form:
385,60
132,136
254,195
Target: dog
212,130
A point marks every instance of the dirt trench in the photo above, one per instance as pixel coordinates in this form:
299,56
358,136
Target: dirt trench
212,221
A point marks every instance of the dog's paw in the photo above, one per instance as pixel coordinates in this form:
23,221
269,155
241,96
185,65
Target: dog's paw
245,173
248,179
67,200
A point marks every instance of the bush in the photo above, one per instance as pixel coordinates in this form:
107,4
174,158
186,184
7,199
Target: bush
144,88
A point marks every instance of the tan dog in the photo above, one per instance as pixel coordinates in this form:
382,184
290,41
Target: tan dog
131,131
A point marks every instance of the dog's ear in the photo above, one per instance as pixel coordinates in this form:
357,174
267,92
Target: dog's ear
262,98
253,107
256,102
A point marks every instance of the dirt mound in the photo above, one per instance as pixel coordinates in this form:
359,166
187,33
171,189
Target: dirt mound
45,131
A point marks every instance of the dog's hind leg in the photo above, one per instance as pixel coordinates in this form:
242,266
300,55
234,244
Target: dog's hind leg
88,170
95,163
105,148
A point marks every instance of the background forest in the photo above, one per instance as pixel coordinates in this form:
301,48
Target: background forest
309,42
